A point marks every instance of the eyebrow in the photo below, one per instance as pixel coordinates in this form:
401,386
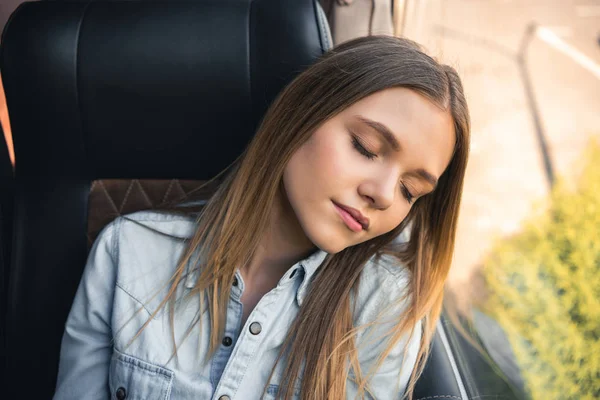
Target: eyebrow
383,130
427,176
387,134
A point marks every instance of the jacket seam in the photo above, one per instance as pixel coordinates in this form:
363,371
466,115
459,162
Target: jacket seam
149,215
133,297
134,362
115,244
403,273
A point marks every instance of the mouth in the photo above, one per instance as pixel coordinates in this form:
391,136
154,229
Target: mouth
351,217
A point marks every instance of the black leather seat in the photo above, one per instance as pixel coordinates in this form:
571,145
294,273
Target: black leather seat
6,202
440,379
121,90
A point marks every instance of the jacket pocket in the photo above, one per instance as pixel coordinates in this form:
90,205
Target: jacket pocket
133,379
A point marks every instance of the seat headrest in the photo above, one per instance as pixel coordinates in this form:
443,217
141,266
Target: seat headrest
161,89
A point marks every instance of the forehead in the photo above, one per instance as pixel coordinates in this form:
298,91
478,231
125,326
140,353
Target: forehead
424,130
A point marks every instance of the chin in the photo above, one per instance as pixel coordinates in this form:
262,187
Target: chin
325,238
329,249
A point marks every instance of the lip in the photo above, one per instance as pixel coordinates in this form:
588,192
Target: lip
357,221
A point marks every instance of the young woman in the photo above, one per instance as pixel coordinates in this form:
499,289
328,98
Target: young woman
316,269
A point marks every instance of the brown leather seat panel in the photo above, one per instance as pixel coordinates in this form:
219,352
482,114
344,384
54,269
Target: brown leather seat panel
110,198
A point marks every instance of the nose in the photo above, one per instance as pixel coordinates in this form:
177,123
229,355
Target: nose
380,190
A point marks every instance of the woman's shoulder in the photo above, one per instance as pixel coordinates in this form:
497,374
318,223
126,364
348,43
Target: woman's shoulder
385,272
384,296
141,225
384,282
171,224
146,247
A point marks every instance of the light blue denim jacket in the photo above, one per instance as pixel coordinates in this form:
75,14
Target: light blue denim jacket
128,269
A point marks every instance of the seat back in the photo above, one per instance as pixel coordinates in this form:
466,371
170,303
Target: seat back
165,90
125,90
440,378
6,205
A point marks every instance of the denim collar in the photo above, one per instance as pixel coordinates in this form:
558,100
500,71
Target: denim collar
309,266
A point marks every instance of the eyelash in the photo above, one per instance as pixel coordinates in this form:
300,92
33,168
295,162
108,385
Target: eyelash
407,195
361,149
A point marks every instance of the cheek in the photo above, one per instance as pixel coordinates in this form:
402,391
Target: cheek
329,158
308,177
391,218
323,163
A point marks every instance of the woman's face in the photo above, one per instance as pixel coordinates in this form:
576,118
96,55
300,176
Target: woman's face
349,161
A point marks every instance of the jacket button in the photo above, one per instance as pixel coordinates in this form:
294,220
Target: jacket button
121,393
235,282
255,328
227,341
224,397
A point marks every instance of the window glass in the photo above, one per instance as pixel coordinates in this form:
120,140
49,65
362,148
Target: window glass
528,251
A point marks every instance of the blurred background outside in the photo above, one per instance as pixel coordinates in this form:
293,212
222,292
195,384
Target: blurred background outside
528,250
527,262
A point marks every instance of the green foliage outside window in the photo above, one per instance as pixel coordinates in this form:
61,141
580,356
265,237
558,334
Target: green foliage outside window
544,290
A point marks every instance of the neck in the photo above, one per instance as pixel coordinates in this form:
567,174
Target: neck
282,245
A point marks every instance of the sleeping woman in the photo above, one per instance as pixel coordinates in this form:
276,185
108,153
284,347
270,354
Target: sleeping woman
316,268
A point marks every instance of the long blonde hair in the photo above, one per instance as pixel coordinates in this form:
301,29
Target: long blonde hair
322,336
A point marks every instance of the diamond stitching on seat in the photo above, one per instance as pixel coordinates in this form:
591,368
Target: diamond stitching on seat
111,198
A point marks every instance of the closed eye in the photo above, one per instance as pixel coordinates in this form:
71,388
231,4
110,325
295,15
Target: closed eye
361,149
407,194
